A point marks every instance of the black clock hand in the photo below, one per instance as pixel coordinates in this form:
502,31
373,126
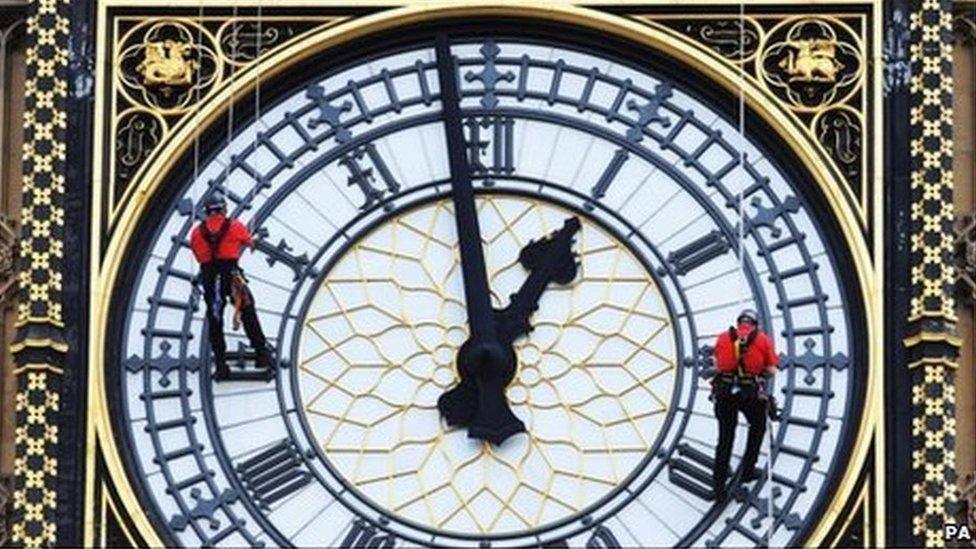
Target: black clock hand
484,365
477,298
548,260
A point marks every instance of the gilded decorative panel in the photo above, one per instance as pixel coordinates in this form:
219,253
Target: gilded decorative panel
816,65
172,71
165,66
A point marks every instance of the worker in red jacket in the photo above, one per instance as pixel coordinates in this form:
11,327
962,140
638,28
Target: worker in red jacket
744,359
217,243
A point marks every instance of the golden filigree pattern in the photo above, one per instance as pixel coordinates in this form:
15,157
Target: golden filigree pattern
594,380
39,345
840,130
244,39
812,63
139,132
933,347
163,68
168,66
815,65
737,40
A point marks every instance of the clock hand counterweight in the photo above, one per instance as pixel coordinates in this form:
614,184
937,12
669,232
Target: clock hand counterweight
484,365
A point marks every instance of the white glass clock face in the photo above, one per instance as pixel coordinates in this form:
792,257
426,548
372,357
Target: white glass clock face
345,181
594,380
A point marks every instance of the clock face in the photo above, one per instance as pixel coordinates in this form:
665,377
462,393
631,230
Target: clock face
346,181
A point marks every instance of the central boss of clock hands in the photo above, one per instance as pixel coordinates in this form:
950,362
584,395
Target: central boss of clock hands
486,367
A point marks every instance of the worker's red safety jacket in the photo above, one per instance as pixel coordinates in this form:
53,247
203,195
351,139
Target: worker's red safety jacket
229,239
758,352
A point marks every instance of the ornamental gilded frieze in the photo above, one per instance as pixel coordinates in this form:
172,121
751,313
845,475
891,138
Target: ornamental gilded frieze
167,67
163,68
815,65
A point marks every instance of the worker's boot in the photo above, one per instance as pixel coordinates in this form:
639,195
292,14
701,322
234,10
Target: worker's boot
721,491
754,474
264,359
222,372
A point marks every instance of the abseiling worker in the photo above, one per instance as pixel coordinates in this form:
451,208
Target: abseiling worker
744,358
217,243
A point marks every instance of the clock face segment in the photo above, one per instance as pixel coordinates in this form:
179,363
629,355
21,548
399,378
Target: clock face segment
346,185
594,381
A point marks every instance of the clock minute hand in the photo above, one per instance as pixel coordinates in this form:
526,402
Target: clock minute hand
477,297
484,365
550,259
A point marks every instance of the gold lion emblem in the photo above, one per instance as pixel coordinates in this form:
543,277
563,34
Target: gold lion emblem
166,64
811,61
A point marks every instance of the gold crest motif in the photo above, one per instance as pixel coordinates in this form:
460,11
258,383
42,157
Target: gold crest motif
166,64
813,60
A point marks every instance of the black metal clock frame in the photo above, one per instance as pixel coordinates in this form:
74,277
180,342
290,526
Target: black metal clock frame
214,136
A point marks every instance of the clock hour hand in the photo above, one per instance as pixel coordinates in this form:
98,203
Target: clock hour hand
550,259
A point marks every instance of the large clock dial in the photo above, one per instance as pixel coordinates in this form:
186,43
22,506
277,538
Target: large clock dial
347,181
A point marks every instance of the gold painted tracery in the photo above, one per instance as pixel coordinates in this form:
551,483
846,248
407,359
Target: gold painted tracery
371,299
165,68
179,137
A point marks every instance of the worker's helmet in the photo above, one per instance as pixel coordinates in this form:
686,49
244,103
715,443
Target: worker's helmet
748,314
216,203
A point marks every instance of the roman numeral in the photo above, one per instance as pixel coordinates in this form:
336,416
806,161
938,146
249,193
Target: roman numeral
692,470
365,178
602,538
501,138
696,253
364,534
281,253
609,174
274,473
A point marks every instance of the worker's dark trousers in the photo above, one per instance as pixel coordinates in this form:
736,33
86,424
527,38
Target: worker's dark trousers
216,277
728,404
